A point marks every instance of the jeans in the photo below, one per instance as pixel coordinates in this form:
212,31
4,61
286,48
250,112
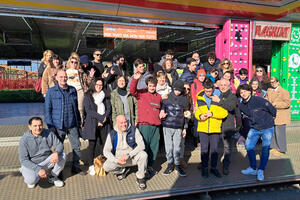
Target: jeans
172,139
253,136
31,177
73,135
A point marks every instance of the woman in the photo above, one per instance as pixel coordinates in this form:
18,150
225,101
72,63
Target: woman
257,88
169,69
123,103
263,78
48,80
45,62
78,79
225,66
97,109
281,100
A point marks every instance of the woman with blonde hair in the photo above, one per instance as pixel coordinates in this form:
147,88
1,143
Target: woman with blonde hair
224,66
48,79
169,69
78,79
45,62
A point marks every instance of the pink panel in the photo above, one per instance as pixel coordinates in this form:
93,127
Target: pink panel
226,43
219,44
250,50
239,44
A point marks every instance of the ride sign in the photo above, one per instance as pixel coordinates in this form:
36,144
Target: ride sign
271,30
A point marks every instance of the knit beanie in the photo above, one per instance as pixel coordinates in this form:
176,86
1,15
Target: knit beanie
201,72
178,85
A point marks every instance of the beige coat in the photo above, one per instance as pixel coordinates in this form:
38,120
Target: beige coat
48,79
282,100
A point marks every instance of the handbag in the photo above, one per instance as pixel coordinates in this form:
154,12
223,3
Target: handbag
98,165
38,85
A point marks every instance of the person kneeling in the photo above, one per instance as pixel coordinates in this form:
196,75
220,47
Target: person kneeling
36,156
124,147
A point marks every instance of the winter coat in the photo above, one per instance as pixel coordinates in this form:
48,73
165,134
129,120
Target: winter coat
111,78
260,112
237,82
212,124
118,106
92,117
196,87
172,76
41,69
175,106
149,105
142,81
282,99
162,90
54,106
188,76
228,101
48,79
175,62
209,67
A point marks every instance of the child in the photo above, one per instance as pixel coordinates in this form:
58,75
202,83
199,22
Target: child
149,104
242,78
174,126
162,87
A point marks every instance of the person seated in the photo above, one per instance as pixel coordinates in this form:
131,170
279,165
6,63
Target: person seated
36,156
124,147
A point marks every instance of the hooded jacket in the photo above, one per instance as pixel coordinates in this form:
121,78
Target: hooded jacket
212,124
142,81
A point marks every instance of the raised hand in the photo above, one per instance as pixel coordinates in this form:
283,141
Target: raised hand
137,75
92,72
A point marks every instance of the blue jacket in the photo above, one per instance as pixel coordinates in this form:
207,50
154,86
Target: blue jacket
175,106
188,76
260,112
54,107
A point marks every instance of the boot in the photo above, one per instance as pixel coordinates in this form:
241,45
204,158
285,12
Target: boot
204,164
213,165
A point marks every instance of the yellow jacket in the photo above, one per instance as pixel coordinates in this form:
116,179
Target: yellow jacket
212,124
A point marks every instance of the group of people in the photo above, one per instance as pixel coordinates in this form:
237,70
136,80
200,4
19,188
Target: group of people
87,99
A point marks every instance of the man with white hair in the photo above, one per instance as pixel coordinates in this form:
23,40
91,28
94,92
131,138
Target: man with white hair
228,101
124,147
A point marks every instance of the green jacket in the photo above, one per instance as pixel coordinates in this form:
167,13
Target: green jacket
118,107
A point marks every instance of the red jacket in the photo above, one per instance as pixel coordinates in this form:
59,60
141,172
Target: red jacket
149,105
196,87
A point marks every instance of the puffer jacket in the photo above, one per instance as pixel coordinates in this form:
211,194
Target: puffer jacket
212,124
172,76
175,106
188,76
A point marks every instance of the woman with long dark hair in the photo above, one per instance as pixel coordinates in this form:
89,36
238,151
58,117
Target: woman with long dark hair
97,111
261,75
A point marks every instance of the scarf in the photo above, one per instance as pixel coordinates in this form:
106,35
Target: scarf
122,91
98,98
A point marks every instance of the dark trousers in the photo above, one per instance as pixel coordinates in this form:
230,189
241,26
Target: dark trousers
211,141
227,143
101,135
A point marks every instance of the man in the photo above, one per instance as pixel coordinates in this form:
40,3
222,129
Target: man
189,73
228,101
261,114
36,156
124,147
141,69
97,64
169,54
212,62
196,56
209,115
281,100
62,115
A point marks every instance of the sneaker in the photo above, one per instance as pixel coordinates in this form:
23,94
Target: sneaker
141,183
216,173
152,171
30,186
260,175
249,171
124,174
77,170
180,171
92,170
169,169
56,181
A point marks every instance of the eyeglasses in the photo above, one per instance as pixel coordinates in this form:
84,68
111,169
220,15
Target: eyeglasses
98,54
259,70
74,62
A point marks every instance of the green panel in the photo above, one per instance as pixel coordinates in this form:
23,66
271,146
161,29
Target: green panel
294,71
276,59
284,64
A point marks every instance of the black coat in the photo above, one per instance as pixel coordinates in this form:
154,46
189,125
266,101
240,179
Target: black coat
92,118
229,102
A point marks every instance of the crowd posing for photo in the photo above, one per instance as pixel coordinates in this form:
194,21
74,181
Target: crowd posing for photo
132,116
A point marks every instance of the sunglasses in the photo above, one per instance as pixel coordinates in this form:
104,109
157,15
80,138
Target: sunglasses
74,62
187,88
97,54
226,63
259,70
